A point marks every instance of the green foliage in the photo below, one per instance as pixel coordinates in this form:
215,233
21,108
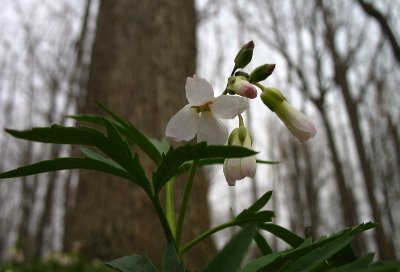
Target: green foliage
171,261
289,237
133,263
107,148
231,256
318,256
132,134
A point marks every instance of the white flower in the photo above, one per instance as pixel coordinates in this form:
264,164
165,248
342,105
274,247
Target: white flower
298,124
239,168
202,115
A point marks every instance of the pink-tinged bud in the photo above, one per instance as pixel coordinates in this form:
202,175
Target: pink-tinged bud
239,85
298,124
237,169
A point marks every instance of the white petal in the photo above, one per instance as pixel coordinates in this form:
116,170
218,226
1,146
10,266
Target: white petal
198,91
228,107
248,166
183,125
211,129
299,124
232,171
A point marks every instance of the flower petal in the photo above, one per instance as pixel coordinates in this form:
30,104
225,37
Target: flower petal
232,171
299,124
211,129
183,125
248,166
228,107
198,91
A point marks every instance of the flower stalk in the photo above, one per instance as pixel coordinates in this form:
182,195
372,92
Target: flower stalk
185,201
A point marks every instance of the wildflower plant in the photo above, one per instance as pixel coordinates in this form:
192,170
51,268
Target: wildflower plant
110,153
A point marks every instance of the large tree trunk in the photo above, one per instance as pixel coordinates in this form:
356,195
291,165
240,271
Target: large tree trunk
142,53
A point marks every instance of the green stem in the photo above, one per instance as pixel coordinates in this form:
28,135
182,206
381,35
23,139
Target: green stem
185,201
169,204
234,70
163,219
206,234
226,88
241,123
262,87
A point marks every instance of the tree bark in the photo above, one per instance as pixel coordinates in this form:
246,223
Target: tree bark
142,53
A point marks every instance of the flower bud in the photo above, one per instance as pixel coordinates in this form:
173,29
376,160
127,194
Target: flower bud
298,124
239,168
244,55
239,85
272,98
261,73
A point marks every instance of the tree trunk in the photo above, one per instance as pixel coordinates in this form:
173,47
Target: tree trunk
142,53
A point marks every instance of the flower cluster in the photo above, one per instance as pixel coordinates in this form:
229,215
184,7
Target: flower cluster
202,115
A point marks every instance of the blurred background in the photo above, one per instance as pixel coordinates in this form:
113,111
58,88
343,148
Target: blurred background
337,61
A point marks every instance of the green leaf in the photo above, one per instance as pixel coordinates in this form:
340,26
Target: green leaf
318,256
65,164
60,135
286,235
171,261
344,256
307,246
118,150
260,217
258,205
262,244
231,256
267,162
161,145
112,145
360,263
95,156
133,263
132,133
176,157
261,262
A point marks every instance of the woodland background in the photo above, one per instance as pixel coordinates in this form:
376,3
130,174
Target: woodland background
338,61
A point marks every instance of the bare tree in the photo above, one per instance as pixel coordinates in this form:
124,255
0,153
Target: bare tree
389,34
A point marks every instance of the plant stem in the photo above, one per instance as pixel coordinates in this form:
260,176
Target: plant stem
226,88
163,219
259,85
206,234
169,204
185,201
